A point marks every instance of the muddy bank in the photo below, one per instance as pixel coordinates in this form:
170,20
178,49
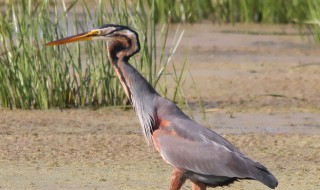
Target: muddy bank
251,67
104,149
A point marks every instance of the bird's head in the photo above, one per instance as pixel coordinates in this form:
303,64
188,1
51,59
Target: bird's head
123,42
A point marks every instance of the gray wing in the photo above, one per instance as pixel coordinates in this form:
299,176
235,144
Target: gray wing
197,149
203,158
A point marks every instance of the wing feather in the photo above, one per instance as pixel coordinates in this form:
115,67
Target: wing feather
201,153
203,158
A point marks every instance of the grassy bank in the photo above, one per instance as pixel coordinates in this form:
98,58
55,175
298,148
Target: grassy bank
34,76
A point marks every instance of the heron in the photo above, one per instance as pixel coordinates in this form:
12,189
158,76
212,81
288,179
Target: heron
195,152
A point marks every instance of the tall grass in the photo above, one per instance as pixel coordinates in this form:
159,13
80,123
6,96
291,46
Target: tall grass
32,76
313,21
265,11
305,12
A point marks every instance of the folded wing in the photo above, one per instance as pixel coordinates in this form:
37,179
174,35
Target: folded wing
207,156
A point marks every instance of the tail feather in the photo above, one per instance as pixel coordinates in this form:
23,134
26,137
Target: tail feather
264,176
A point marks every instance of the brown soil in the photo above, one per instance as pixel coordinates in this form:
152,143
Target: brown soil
236,73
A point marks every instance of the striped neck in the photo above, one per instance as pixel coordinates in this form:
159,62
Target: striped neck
141,94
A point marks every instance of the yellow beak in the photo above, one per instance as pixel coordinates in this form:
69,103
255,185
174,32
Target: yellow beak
79,37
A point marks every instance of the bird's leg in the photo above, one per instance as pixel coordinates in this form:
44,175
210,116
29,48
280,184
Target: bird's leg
198,186
177,179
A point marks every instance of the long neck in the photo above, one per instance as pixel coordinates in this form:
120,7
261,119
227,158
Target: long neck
140,93
134,84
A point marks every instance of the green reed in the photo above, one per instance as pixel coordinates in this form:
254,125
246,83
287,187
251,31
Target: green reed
305,12
79,74
313,21
265,11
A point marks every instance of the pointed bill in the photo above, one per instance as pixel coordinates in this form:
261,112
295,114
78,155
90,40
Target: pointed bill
79,37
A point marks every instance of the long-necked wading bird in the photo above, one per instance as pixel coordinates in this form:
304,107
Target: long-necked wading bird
195,152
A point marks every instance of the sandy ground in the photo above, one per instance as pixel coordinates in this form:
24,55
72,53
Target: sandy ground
236,72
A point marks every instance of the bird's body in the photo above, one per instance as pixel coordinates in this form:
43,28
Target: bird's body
196,152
